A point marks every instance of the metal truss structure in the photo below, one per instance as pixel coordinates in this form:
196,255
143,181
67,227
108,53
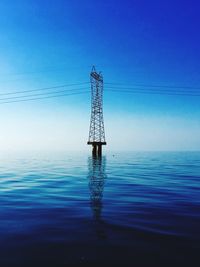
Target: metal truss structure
96,132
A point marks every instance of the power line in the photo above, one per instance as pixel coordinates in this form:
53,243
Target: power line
41,94
153,89
151,85
76,91
45,97
109,85
45,88
152,92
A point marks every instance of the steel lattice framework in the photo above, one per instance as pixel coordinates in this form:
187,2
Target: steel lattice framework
96,132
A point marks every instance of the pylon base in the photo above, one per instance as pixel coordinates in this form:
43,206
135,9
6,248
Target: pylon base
96,148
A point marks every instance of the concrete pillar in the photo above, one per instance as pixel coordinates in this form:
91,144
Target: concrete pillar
99,150
94,150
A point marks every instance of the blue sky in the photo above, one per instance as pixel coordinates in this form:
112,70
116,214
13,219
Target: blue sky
49,43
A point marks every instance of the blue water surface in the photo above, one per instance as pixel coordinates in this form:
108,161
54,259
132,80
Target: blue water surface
124,209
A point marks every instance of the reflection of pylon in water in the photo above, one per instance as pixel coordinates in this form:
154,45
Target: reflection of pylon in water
96,133
96,184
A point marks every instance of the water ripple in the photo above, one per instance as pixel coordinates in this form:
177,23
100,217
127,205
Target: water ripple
70,199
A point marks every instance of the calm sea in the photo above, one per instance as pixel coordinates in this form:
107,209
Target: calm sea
126,209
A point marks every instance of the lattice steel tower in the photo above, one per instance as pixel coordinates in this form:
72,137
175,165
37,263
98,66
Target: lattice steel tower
96,133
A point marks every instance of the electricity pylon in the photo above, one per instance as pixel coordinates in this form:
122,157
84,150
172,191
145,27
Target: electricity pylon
96,132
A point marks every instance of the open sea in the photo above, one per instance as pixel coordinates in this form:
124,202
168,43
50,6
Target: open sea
125,209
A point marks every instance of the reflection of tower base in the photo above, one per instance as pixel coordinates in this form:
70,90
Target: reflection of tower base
96,148
96,167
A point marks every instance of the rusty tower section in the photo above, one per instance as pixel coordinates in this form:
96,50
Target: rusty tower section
96,133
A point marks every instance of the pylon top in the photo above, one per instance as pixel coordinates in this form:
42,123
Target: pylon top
95,75
93,69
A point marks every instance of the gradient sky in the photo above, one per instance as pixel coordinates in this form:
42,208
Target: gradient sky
47,43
